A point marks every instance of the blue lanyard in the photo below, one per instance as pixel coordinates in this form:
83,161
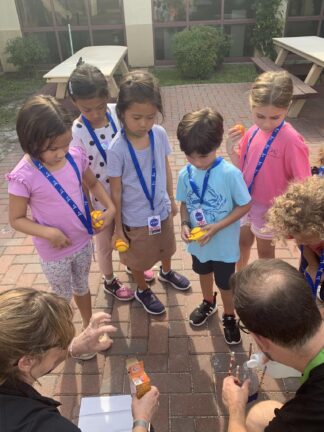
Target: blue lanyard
149,197
314,285
86,221
321,171
94,136
263,154
193,185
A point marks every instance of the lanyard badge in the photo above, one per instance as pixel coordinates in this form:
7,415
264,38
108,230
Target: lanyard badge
313,285
264,153
198,214
85,220
94,137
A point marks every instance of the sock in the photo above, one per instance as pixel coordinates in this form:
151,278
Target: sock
164,273
141,291
109,281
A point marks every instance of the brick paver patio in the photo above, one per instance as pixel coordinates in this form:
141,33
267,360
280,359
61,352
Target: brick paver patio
187,365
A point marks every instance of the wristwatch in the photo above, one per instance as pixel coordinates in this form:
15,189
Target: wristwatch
143,423
186,223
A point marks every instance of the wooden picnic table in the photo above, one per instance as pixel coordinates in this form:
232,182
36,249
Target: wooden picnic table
310,48
108,58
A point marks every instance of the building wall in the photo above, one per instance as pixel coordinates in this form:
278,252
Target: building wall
9,29
139,32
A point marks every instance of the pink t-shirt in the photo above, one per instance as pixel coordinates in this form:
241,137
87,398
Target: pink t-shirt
287,160
48,207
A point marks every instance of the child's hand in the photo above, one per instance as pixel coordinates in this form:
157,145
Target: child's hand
119,235
57,238
107,217
185,233
233,138
211,230
174,207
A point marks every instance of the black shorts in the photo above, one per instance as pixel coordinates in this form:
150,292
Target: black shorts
222,271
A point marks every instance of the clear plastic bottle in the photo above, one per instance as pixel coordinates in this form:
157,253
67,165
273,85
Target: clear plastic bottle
274,369
250,373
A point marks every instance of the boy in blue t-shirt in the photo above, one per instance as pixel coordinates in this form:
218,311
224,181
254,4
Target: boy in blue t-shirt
214,196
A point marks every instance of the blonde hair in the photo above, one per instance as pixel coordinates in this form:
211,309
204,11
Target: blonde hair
31,322
272,88
299,210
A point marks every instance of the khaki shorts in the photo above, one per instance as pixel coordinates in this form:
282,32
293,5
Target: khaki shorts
146,250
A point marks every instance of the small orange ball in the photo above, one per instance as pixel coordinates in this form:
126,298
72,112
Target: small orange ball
240,128
121,246
95,214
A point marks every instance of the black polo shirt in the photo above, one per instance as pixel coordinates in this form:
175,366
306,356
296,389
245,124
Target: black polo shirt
305,412
23,409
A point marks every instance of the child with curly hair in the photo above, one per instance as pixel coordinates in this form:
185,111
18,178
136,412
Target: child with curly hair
299,214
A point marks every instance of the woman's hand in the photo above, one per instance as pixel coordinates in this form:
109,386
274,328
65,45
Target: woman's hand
96,337
144,408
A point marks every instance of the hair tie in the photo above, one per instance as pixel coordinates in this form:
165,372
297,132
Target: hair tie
70,88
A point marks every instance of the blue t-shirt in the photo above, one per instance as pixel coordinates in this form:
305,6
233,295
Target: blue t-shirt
226,190
135,207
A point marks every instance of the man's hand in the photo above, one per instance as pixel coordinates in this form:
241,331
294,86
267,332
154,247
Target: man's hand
235,396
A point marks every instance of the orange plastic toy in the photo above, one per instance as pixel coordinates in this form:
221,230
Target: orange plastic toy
240,127
196,233
121,246
95,214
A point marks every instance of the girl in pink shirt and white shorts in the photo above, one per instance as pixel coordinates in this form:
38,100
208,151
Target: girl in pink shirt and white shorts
48,180
270,154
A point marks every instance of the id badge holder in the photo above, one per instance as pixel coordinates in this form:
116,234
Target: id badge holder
199,217
154,225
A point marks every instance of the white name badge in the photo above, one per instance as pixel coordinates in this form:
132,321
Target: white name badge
154,225
199,217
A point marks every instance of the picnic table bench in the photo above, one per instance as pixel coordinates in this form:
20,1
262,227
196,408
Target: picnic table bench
108,58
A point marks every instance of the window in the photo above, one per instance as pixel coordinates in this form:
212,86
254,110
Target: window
163,42
241,35
169,10
108,37
203,10
35,13
106,11
70,12
301,28
304,7
238,9
80,39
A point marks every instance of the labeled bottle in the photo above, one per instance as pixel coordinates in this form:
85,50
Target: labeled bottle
274,369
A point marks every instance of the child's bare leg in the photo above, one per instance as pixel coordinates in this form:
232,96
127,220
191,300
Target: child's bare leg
84,305
246,242
266,248
138,275
207,286
166,265
228,303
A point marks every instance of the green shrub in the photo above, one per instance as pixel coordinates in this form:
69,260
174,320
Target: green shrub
26,53
199,50
269,24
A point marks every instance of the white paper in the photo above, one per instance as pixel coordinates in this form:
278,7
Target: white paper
106,413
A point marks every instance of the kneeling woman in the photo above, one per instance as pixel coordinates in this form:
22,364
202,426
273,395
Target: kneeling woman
36,334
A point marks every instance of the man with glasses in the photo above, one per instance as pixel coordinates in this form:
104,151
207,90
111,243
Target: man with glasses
275,305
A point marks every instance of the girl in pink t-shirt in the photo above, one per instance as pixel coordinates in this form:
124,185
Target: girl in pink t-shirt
48,180
270,154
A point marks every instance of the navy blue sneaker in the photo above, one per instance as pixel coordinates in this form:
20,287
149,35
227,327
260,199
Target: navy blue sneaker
150,302
175,279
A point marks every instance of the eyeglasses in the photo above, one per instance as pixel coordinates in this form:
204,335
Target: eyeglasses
242,327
